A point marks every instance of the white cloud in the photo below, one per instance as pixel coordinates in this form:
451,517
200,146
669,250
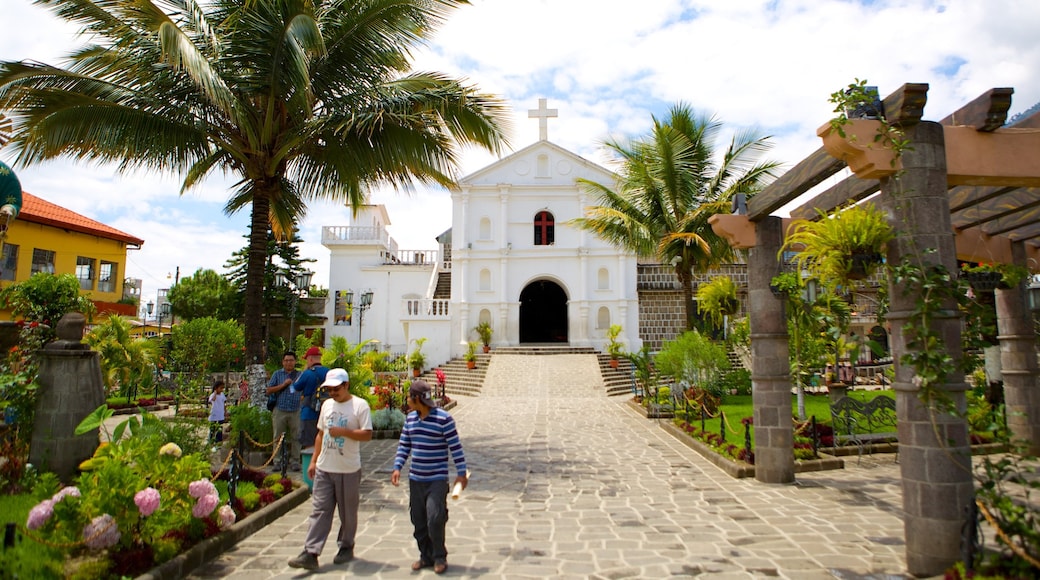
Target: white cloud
607,66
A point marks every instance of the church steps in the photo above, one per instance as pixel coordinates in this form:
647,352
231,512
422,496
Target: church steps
460,380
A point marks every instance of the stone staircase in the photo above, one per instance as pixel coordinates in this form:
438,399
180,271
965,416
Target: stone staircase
443,289
617,381
460,380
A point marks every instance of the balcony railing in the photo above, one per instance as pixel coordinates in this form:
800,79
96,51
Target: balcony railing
411,257
424,309
336,235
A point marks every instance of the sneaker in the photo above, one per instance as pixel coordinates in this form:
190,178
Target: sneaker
305,560
343,556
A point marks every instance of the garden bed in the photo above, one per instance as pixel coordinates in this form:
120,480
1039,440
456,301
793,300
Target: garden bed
208,549
740,469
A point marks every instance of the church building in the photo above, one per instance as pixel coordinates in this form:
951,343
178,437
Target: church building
510,258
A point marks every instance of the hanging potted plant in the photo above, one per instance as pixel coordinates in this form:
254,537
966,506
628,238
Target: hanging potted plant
471,355
614,348
484,330
845,246
985,277
717,299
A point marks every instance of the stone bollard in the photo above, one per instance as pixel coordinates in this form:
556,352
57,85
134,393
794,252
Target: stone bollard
70,388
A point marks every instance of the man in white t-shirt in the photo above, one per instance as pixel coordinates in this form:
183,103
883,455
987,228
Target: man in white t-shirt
335,469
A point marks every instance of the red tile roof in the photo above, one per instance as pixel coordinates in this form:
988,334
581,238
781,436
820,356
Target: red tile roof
40,211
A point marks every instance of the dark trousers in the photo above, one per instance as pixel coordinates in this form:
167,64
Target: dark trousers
428,504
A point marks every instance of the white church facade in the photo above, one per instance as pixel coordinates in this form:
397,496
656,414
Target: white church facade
510,258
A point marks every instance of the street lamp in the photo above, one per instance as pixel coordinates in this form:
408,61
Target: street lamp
296,289
164,311
364,303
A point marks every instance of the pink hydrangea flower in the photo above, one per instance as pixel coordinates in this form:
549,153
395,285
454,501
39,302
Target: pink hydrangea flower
67,490
225,517
170,449
205,505
147,501
102,532
40,513
200,488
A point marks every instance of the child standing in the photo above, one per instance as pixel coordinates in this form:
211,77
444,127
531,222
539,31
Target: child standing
217,402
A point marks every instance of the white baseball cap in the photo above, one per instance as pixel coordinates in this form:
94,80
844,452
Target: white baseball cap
335,378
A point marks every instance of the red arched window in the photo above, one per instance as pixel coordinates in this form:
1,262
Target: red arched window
544,229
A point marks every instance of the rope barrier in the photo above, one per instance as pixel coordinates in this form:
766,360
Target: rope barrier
269,459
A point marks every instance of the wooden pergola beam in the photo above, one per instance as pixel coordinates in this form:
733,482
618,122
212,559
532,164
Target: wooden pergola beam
849,190
988,112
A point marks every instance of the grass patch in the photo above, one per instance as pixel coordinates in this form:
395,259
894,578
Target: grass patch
27,559
737,407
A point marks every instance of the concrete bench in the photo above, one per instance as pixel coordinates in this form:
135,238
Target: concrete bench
862,423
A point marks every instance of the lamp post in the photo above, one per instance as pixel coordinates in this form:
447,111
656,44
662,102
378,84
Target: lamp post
164,311
364,303
296,288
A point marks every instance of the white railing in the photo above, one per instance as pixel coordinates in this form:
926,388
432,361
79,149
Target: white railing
411,257
354,235
425,309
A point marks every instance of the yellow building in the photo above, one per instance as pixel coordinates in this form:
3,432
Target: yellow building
46,237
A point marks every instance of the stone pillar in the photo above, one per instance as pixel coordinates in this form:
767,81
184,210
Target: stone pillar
934,452
70,389
256,376
1018,362
770,365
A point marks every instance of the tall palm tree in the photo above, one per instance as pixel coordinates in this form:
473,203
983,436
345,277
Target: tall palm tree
668,184
300,99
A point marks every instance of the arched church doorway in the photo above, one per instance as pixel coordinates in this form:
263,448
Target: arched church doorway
543,312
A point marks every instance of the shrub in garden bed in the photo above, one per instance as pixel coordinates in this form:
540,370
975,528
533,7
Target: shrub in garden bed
138,502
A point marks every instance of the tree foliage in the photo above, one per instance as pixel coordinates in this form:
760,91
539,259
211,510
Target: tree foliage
126,362
45,298
206,293
668,184
300,100
207,345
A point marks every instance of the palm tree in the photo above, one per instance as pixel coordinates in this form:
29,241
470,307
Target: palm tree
668,184
300,99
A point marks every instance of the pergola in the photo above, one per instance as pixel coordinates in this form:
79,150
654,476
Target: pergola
966,189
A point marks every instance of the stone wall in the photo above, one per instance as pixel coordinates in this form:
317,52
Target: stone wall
661,313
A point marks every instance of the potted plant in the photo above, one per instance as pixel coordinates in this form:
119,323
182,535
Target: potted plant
471,355
718,298
417,360
614,348
484,330
988,277
845,246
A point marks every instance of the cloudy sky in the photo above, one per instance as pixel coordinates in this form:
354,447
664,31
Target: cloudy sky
607,66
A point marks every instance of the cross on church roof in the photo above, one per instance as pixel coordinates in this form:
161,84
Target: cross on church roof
542,114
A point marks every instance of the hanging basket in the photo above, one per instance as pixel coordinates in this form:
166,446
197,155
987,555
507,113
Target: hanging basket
863,264
984,281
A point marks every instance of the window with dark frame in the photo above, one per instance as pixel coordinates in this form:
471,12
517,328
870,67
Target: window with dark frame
9,262
544,229
107,277
42,261
85,272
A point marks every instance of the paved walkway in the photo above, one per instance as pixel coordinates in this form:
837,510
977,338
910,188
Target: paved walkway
568,483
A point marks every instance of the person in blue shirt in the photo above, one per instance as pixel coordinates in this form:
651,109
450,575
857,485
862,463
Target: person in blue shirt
285,417
307,386
429,436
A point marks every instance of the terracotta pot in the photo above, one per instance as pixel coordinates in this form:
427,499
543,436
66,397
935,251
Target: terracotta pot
487,349
613,363
416,372
471,364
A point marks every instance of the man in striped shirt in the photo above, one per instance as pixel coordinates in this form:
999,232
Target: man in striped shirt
429,436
